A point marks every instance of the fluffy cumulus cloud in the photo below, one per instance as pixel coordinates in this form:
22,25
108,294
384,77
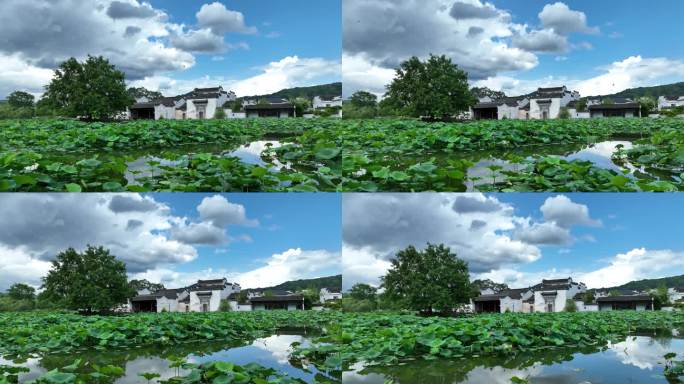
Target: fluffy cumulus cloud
222,20
36,36
378,35
559,17
479,228
43,33
291,71
475,226
292,264
635,264
137,229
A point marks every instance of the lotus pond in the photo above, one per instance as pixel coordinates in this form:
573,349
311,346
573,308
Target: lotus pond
189,155
246,347
544,348
513,155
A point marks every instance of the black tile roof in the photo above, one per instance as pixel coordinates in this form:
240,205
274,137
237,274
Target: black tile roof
268,106
615,299
602,107
279,298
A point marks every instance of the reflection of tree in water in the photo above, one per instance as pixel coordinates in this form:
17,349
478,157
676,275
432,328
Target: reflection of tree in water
442,371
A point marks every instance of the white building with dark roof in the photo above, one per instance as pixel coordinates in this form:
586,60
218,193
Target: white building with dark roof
327,101
203,296
668,102
330,294
200,103
546,103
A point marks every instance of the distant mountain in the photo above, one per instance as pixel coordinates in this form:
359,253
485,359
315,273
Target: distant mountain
299,285
306,92
655,92
640,285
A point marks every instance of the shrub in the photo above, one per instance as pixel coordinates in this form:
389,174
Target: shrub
564,114
570,306
220,114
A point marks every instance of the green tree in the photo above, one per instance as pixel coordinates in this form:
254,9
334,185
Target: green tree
486,92
301,105
660,297
21,291
363,99
311,297
94,89
613,293
19,99
220,114
434,88
362,291
648,104
236,105
140,92
570,306
139,285
582,104
432,278
479,285
564,114
224,306
93,280
349,111
607,101
588,297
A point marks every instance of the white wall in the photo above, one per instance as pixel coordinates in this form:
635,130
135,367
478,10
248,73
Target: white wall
234,115
512,305
554,108
507,112
578,115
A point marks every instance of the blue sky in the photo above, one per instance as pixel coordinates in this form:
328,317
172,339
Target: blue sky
249,46
257,240
629,221
594,47
304,28
600,239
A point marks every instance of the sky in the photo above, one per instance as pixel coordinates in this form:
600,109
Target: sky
248,46
594,47
257,240
600,239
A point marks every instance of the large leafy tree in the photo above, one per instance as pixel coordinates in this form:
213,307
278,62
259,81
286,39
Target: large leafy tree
21,291
19,99
93,280
361,99
363,291
430,279
435,88
94,89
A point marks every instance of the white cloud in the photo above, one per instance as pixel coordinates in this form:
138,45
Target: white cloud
639,263
476,227
291,264
379,35
564,20
19,75
222,20
288,72
636,264
632,72
220,212
543,40
566,213
45,224
198,41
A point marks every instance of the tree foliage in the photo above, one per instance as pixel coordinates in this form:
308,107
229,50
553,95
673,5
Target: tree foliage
21,291
660,297
139,285
486,92
140,92
648,104
479,285
570,306
435,88
362,99
220,114
363,291
430,279
19,99
93,280
564,114
94,89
